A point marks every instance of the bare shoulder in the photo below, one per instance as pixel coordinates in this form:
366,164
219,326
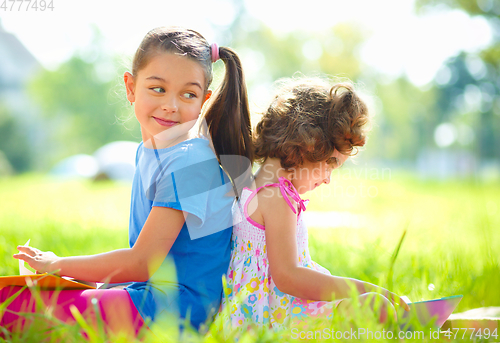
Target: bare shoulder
273,206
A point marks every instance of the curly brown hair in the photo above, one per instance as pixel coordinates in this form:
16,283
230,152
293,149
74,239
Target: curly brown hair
308,119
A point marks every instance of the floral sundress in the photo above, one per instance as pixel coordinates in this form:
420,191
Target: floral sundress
250,291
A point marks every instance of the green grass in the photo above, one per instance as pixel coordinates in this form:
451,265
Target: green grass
67,217
452,239
451,245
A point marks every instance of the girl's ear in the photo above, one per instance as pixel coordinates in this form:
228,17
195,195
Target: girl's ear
207,96
129,86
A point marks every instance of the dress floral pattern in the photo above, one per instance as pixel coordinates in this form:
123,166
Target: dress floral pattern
250,291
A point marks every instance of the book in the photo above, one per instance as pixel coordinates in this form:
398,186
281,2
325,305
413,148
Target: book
43,281
437,310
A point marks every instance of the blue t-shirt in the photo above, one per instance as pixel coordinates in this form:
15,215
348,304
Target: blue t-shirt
185,177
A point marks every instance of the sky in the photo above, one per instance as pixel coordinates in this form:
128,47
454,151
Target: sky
400,40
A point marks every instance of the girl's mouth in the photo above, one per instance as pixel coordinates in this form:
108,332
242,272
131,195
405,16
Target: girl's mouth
167,123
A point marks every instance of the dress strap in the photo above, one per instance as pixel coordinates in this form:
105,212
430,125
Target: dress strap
287,190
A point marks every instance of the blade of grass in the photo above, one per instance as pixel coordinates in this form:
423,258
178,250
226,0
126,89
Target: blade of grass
393,260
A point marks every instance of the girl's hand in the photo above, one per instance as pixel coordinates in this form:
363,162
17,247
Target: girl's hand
396,299
42,262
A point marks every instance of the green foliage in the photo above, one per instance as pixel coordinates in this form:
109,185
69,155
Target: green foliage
405,122
405,119
481,113
465,82
332,52
406,115
492,56
473,7
84,104
14,143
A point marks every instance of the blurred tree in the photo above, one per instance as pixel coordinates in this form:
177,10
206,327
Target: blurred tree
487,8
268,55
83,103
407,117
403,123
469,84
333,52
469,100
14,143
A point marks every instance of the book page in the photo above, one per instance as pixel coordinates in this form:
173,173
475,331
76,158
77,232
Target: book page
22,267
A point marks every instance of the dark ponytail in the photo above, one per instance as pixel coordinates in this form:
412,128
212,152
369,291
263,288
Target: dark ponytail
228,117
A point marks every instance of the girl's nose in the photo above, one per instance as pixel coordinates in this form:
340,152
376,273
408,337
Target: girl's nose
169,105
327,180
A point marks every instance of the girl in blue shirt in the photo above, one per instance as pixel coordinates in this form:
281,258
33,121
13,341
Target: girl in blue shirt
180,219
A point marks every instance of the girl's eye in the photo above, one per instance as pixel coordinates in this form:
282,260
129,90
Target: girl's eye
158,90
189,95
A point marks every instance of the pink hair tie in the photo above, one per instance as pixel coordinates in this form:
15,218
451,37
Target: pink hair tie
215,52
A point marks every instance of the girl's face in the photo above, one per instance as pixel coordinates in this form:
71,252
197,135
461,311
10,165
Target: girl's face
168,92
313,174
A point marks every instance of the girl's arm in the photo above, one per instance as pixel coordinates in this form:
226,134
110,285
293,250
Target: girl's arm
133,264
289,277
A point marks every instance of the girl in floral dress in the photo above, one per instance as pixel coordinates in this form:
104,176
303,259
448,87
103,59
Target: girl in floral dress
309,129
